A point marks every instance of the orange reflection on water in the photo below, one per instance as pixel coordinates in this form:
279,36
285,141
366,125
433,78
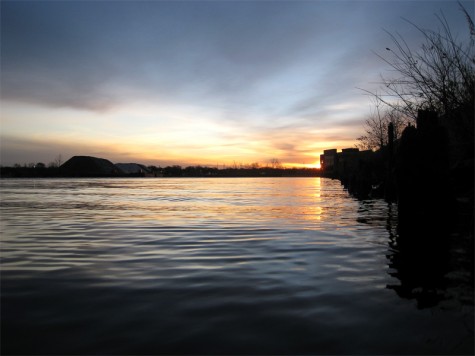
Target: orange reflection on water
213,202
209,204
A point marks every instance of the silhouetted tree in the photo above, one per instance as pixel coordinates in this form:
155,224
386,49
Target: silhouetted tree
58,161
376,127
173,171
439,76
275,163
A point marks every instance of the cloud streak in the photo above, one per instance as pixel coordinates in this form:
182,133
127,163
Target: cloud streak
280,74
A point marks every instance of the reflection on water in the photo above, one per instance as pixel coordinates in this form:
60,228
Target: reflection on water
418,269
210,266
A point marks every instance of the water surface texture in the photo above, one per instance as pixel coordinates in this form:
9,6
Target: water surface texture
203,266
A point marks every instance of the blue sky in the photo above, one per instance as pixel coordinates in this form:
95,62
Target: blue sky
195,82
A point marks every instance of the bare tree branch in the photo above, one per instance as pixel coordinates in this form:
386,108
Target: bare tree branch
439,76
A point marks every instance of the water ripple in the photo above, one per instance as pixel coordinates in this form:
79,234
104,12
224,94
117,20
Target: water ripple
213,266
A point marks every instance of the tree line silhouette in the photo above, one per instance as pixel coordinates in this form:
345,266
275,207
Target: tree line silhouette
40,170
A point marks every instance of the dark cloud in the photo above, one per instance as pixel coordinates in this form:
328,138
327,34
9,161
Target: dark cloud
17,149
81,54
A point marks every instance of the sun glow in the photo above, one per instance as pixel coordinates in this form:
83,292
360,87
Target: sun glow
314,165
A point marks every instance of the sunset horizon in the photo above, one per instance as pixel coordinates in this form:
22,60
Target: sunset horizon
195,83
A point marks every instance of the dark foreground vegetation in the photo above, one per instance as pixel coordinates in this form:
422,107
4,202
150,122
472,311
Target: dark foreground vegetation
421,137
429,173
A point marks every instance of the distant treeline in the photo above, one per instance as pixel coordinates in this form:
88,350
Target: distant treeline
41,171
200,171
29,171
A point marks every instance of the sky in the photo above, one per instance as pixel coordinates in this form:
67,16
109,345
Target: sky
196,82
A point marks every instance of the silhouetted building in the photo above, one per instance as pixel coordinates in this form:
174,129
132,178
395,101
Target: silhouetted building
134,169
328,162
354,168
347,161
340,164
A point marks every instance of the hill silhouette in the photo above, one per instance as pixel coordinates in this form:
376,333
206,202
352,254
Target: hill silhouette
87,166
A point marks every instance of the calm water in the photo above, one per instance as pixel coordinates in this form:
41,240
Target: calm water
149,266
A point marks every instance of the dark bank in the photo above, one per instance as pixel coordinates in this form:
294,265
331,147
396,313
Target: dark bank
94,167
428,172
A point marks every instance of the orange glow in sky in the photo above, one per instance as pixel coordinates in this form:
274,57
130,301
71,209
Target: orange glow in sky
195,83
159,134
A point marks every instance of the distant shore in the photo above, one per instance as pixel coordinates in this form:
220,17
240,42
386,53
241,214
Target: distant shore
202,172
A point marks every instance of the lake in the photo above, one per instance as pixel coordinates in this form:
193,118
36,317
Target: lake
208,266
